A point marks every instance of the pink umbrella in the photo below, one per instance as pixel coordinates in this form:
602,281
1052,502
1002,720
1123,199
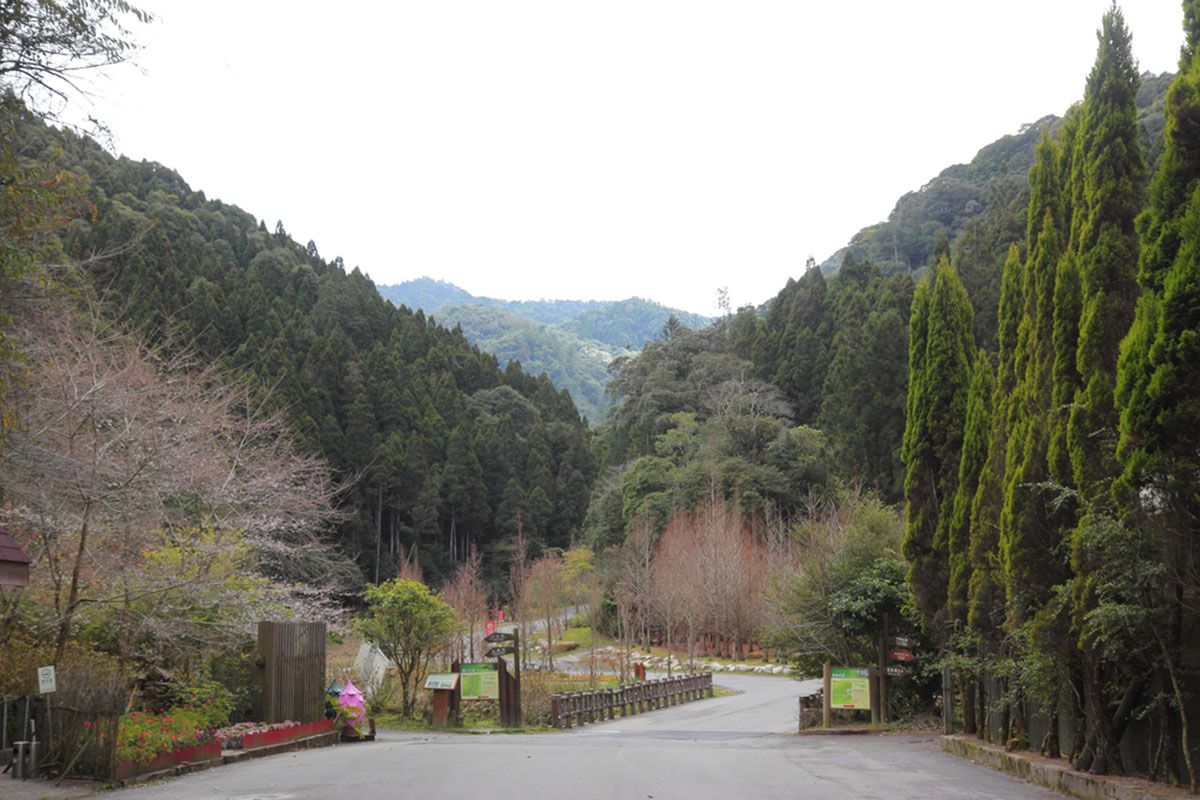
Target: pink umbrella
353,707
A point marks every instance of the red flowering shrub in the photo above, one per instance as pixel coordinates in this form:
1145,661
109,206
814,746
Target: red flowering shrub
141,737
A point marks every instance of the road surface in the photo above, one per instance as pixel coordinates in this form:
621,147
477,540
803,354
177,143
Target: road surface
727,748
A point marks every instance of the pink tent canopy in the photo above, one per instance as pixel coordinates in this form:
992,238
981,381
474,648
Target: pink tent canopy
351,700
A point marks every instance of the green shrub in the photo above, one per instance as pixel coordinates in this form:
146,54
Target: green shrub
210,700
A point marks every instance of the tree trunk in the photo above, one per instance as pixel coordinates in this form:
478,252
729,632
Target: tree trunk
378,531
64,625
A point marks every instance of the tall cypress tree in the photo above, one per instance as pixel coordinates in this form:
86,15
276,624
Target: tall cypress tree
1159,385
1107,175
1159,370
934,438
1111,168
976,435
986,498
1033,561
1178,166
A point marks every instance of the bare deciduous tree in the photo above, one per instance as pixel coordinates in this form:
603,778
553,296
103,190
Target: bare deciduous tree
544,592
123,451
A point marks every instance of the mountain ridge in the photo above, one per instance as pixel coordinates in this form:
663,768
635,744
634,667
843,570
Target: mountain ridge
571,341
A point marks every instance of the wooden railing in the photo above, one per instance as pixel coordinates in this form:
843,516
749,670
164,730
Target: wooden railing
577,708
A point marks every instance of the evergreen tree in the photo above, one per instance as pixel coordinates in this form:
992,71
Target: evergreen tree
1032,557
1160,224
1111,170
976,436
934,439
1159,370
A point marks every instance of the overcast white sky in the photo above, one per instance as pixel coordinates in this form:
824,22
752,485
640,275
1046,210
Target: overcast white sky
561,149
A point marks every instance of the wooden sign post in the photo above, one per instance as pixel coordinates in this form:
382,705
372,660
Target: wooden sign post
444,685
510,685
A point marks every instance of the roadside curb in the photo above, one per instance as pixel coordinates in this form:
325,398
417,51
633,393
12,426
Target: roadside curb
847,731
234,756
1058,775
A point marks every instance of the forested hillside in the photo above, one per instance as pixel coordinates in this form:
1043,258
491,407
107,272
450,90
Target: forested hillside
989,187
575,364
438,446
572,341
626,324
770,409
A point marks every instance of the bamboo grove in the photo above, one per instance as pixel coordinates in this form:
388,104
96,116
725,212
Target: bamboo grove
1051,488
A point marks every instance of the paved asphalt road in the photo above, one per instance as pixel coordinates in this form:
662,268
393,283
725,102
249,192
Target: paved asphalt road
733,747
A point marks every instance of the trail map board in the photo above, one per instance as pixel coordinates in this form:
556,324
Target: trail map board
850,688
480,682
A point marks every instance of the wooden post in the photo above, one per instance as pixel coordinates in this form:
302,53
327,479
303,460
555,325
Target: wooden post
441,707
456,697
947,701
885,713
873,689
827,695
517,715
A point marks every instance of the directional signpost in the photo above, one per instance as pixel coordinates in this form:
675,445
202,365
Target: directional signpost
507,643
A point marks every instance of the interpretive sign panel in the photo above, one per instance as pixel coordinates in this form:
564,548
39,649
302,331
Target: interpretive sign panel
850,688
442,680
480,682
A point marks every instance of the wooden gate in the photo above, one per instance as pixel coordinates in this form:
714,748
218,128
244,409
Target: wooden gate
291,662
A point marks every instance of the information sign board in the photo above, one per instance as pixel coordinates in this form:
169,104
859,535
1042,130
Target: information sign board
480,682
442,680
46,680
850,687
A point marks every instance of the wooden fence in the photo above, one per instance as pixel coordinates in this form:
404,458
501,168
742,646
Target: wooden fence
79,743
291,662
577,708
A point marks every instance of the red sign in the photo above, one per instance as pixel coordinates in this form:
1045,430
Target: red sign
500,615
900,654
489,627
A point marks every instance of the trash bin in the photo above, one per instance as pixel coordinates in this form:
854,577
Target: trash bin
20,757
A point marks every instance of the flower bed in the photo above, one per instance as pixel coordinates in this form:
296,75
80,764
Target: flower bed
248,735
200,752
144,738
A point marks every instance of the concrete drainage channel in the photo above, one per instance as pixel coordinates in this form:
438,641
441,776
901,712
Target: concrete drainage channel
1058,775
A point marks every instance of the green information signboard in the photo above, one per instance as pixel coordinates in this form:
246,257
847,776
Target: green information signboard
850,688
480,682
